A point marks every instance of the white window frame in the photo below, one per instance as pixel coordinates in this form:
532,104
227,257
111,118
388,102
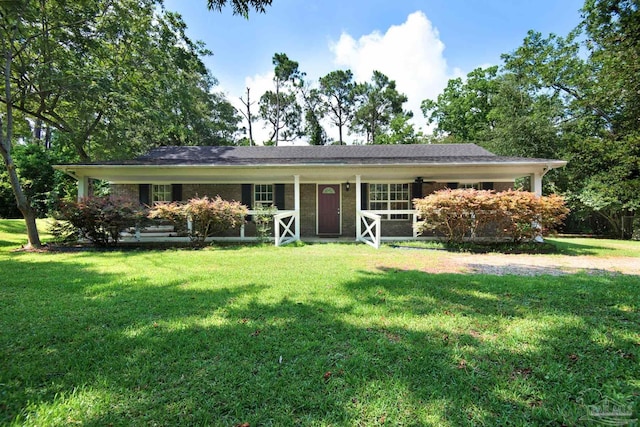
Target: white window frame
261,194
387,199
161,193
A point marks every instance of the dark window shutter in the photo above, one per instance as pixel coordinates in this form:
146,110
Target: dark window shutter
278,196
416,190
487,185
247,198
364,194
452,185
144,194
176,192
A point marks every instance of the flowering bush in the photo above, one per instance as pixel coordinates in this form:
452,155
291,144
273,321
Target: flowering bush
101,219
467,213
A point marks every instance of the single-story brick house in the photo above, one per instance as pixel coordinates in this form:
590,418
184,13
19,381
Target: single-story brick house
360,192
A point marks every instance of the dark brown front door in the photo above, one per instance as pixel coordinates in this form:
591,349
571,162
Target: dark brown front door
329,209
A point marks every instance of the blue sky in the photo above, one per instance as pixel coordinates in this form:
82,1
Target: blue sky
418,43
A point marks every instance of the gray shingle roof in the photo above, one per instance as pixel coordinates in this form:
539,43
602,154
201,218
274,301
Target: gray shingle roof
320,155
310,155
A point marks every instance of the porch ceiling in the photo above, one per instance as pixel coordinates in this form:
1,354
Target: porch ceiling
450,172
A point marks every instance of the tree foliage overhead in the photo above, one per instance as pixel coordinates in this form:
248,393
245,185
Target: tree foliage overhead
240,7
115,77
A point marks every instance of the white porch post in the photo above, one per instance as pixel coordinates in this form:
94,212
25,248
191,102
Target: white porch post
358,207
536,184
296,204
83,187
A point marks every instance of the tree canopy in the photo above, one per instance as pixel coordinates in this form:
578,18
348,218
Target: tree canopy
575,97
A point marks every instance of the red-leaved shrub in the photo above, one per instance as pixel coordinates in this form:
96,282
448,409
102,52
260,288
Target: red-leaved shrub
101,219
467,214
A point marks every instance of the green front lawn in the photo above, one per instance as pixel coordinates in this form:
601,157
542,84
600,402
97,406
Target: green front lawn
332,334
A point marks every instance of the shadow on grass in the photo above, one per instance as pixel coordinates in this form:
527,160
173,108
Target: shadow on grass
395,347
567,247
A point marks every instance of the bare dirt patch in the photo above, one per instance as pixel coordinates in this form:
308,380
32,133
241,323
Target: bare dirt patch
535,265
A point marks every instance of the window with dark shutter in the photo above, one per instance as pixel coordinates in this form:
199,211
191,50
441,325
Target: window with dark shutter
247,198
176,193
364,195
278,190
416,190
144,194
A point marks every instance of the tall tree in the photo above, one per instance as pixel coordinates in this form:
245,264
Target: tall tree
109,76
378,102
314,111
248,116
338,93
283,114
462,109
280,108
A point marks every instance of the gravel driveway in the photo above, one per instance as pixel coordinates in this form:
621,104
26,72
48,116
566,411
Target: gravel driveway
533,265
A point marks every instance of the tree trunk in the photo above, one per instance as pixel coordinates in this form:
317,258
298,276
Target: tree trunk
249,119
6,137
21,199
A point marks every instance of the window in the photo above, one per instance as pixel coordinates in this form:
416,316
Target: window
470,185
263,194
389,197
160,193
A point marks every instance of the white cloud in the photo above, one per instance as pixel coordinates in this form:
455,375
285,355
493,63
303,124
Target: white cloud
410,53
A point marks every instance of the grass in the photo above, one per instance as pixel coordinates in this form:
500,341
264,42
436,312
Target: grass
330,334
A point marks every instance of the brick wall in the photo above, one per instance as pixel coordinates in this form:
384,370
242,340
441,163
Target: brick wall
125,191
307,209
349,211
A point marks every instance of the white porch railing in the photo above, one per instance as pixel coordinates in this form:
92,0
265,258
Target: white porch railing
369,230
284,223
369,222
284,227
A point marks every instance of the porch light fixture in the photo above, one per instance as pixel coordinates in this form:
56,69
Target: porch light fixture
347,186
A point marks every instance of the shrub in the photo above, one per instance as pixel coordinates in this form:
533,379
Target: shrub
211,216
263,218
102,219
173,212
523,216
466,214
208,216
456,214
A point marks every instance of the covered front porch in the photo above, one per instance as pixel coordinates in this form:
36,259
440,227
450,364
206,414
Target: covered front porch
368,208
